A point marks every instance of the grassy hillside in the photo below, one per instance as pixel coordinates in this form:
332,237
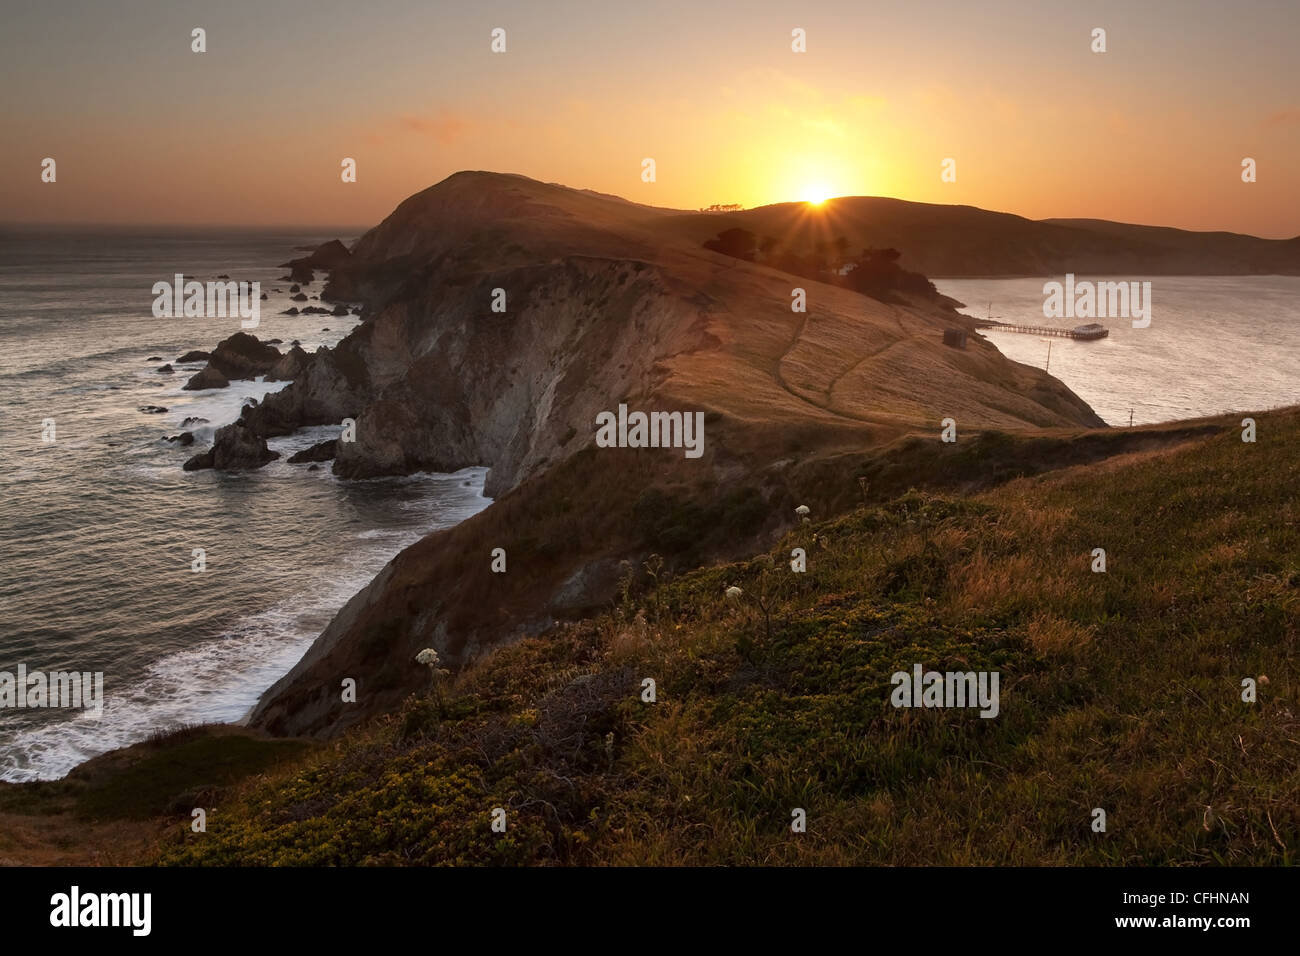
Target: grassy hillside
111,810
1120,691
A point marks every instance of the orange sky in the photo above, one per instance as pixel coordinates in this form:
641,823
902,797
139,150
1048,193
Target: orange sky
253,131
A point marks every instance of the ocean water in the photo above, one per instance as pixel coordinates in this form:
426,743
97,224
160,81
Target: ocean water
1215,344
98,528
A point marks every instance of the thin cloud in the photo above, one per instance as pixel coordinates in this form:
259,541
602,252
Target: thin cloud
445,126
1283,117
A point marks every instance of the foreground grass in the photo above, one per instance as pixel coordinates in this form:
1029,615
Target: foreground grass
1119,691
108,811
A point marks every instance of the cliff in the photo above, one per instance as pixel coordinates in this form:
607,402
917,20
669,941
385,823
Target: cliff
605,303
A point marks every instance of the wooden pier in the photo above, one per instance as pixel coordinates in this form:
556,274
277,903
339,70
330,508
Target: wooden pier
1085,332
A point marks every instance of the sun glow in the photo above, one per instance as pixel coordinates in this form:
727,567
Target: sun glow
816,195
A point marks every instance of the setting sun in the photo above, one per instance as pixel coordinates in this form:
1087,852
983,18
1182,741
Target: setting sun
816,195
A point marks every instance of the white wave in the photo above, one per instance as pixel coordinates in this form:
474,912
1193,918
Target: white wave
219,680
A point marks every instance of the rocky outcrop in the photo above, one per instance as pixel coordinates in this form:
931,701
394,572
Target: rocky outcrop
207,377
289,366
321,451
328,256
241,356
235,448
193,356
458,390
327,387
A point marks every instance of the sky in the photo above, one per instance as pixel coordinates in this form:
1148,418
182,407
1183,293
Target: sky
253,131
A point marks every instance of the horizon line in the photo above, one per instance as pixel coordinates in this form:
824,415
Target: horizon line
1058,219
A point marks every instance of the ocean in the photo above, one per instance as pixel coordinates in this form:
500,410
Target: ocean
98,528
1215,344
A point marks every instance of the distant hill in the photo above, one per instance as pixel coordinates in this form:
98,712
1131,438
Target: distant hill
940,240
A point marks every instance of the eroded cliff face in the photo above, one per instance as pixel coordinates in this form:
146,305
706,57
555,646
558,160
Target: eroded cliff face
602,307
457,384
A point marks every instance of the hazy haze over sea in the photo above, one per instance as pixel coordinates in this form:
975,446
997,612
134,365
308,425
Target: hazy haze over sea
97,529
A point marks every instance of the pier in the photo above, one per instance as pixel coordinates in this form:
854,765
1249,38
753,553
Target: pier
1085,332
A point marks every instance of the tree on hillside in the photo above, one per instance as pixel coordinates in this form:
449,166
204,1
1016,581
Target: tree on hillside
735,242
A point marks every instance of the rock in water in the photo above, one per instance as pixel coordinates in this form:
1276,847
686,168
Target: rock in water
236,448
207,377
200,461
321,451
243,356
328,255
194,356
